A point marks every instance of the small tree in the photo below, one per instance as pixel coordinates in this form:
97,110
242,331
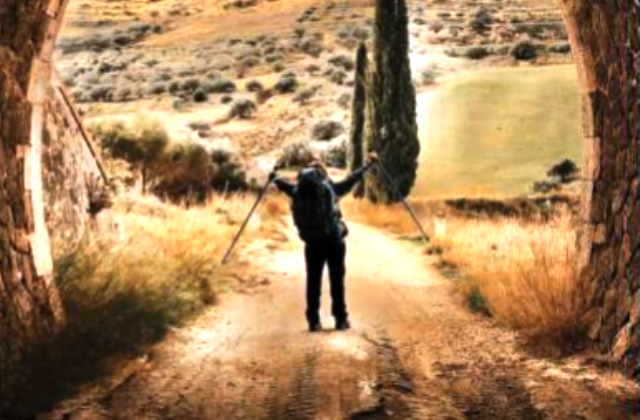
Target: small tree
565,171
391,127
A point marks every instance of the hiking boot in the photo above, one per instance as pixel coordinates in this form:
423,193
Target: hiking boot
315,326
343,324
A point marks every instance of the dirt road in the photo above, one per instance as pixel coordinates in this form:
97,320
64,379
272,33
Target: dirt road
414,353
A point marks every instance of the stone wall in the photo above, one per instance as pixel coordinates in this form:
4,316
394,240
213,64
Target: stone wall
27,298
604,35
69,169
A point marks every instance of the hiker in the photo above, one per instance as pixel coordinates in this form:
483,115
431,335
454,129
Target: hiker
317,216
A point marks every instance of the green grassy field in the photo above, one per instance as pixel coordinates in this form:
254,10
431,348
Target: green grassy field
493,132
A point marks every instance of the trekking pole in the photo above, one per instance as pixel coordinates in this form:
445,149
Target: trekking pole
425,237
263,192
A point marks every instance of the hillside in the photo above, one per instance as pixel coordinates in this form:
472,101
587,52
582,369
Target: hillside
255,76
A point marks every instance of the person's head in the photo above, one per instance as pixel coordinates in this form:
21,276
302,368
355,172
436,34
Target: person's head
319,166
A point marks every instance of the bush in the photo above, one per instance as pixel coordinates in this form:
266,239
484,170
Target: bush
288,83
303,96
524,50
221,85
297,154
190,84
565,171
336,154
560,48
254,86
312,47
338,77
243,109
250,62
226,99
200,96
274,58
101,93
229,175
345,100
326,130
157,88
481,21
342,61
476,53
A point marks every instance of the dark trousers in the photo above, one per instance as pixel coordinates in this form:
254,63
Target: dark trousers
317,255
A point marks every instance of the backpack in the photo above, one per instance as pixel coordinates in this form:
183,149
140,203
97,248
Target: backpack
313,206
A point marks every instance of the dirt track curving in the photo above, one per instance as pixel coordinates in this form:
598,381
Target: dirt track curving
414,353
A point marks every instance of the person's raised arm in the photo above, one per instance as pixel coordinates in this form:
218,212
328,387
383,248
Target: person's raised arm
345,186
282,184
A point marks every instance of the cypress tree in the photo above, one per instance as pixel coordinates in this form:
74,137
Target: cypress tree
356,144
391,128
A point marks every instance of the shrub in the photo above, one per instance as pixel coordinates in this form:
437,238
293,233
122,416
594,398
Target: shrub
326,130
481,20
226,99
200,95
249,62
254,86
288,83
524,50
157,88
476,53
221,85
336,153
361,34
565,171
338,77
243,109
228,175
312,68
190,84
123,94
101,93
344,101
296,154
560,48
342,61
274,58
303,96
312,47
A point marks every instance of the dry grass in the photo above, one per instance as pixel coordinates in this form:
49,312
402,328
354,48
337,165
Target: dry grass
525,273
146,268
392,218
521,271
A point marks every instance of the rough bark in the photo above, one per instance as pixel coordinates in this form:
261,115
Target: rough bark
392,129
604,38
356,144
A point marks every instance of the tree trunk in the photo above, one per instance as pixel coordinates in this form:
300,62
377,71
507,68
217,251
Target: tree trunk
392,130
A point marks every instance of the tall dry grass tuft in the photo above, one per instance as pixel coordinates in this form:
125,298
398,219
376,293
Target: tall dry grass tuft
146,268
390,217
525,273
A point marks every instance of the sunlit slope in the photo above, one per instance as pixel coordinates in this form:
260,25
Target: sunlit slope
494,132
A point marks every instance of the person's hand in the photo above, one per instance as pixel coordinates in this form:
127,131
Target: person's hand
372,158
